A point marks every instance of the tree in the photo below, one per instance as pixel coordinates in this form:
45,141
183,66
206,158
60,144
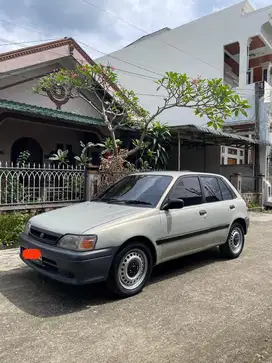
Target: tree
119,107
156,152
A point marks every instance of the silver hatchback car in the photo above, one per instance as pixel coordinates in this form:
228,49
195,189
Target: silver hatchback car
139,222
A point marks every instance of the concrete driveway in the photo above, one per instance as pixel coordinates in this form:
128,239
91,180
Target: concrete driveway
196,309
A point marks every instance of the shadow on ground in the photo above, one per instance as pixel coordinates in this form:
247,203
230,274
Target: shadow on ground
42,297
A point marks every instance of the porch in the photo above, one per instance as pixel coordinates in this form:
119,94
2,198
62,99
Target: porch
42,131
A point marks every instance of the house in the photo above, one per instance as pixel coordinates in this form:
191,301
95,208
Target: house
42,124
234,44
34,122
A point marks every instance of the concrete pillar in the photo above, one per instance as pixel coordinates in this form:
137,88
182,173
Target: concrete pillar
243,63
90,186
261,188
263,155
236,181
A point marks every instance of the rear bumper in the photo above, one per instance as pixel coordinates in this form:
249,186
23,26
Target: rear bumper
76,268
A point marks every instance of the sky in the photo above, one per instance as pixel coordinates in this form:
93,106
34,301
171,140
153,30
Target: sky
30,22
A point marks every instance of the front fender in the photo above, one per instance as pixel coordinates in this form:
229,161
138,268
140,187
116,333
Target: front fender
116,235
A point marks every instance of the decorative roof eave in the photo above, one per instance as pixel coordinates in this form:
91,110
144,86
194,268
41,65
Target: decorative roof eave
45,112
43,47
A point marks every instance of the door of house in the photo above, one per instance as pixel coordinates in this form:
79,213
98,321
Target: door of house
29,144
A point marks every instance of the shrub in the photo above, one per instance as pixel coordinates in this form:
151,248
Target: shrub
11,225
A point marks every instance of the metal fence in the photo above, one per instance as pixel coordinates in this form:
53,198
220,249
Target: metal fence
31,186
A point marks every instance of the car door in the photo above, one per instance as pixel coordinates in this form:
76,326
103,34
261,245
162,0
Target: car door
184,230
218,207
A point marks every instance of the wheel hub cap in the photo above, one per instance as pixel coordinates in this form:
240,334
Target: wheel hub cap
236,240
132,269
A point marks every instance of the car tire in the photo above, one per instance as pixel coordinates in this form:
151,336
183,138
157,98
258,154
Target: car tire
130,270
235,242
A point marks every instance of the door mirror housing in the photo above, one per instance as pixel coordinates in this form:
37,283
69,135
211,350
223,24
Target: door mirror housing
173,204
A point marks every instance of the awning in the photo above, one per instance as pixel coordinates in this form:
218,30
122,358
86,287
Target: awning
206,135
26,109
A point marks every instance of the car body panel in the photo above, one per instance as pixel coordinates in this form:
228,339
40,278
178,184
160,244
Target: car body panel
81,217
181,236
172,233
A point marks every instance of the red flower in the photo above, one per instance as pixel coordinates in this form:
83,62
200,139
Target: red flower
113,68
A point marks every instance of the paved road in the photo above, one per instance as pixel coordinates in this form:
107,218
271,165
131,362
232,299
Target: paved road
197,309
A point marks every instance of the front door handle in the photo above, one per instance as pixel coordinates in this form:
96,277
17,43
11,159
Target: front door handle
202,212
232,206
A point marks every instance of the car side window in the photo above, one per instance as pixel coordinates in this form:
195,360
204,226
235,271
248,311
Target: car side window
211,188
227,194
188,189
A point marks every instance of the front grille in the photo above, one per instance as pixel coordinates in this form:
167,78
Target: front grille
44,236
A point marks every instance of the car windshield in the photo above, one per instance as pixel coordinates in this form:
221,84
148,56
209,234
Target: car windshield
142,190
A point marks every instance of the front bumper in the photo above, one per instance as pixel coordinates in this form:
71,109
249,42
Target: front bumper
72,267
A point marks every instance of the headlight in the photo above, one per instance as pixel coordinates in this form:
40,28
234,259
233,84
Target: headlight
27,227
78,243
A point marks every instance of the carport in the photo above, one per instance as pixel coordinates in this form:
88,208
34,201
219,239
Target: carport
198,148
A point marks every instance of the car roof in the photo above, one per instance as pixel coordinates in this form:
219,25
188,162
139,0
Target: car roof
174,174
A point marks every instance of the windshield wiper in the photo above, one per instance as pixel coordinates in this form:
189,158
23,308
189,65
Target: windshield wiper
126,201
135,201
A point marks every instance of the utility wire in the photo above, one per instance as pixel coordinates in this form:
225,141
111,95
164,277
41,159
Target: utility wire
10,42
146,33
20,26
139,75
96,50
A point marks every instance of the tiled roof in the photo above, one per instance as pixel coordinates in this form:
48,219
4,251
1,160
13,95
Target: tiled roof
48,113
218,134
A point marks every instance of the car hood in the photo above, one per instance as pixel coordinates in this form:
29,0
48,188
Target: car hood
78,218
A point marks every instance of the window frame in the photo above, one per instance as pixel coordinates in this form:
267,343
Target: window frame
175,183
264,74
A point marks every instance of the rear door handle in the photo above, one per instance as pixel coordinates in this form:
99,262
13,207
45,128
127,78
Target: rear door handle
232,206
202,212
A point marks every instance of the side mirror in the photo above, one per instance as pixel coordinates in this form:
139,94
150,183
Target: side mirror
173,204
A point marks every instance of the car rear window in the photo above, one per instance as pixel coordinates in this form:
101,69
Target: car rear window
227,193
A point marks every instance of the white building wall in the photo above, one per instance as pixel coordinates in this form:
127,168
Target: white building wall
200,45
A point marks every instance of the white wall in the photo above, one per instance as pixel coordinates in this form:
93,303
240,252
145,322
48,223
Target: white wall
203,39
248,92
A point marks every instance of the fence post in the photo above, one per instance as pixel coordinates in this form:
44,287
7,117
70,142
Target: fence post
236,181
89,181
